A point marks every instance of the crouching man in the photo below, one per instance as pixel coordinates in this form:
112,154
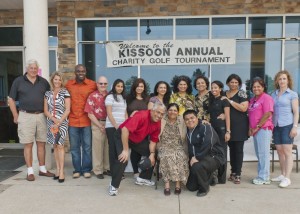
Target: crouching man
140,133
205,153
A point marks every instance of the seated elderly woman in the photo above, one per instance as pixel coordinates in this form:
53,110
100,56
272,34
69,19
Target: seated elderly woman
171,150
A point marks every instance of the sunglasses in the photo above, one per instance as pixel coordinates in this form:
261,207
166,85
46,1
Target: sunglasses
102,83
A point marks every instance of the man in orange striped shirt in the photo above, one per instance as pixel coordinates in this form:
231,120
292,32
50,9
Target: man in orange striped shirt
80,133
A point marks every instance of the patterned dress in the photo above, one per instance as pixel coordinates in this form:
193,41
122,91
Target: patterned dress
173,159
59,111
184,103
202,106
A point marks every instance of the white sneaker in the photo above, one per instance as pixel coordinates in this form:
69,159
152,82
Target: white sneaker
141,181
260,181
112,191
278,179
285,183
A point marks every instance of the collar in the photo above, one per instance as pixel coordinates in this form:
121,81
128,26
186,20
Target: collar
288,90
76,83
26,78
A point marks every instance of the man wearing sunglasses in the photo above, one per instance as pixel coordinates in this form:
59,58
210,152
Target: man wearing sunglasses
80,133
95,107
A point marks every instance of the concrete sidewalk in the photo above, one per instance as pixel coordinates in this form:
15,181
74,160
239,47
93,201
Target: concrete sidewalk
81,195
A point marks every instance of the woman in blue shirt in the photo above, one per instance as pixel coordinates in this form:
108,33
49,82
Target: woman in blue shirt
285,120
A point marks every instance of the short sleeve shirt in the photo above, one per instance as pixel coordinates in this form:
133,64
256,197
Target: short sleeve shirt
95,105
140,126
30,95
202,106
215,109
257,108
118,109
283,112
79,93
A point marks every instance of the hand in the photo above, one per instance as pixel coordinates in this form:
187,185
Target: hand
193,160
205,122
224,98
102,129
252,132
152,159
293,132
16,119
227,136
221,116
55,121
123,157
133,113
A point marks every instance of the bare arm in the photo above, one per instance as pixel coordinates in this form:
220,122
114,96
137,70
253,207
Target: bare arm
95,121
152,147
227,121
67,111
150,105
238,106
13,109
295,108
110,116
123,157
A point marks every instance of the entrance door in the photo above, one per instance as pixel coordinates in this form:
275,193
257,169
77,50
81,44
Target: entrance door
11,66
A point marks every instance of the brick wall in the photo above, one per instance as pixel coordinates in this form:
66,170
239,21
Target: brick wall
68,10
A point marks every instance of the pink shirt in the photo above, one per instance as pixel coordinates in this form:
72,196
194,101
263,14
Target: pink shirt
257,108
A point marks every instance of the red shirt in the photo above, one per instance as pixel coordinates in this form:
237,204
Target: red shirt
79,93
140,126
95,105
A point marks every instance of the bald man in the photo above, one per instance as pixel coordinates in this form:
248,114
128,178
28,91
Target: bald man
95,107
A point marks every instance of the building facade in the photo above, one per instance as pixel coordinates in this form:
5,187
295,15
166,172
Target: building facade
267,34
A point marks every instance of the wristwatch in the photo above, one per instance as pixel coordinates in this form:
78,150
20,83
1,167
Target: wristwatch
231,101
258,126
228,131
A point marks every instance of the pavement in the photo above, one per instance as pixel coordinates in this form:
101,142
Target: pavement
82,195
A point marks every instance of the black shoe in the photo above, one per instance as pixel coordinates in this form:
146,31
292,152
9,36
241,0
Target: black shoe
201,193
55,177
100,176
61,180
107,173
213,181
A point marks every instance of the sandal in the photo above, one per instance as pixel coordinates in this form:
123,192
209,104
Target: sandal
167,191
237,180
177,190
231,177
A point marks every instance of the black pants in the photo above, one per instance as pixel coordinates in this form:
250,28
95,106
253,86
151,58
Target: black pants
135,158
221,131
117,168
236,151
200,174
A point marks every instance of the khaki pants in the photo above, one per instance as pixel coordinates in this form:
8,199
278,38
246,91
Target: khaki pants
99,150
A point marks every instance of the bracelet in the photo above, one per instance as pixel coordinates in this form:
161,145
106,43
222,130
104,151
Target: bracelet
231,101
152,152
296,126
228,131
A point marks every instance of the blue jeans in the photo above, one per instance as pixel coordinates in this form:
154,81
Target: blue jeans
262,140
81,148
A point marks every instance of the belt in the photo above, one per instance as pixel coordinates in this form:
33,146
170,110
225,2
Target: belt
102,120
31,112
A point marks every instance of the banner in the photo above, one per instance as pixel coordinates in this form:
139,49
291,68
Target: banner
170,52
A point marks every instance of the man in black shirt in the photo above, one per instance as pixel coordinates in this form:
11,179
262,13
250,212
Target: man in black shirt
29,90
205,152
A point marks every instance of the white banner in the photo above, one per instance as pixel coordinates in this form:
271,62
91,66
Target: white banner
170,52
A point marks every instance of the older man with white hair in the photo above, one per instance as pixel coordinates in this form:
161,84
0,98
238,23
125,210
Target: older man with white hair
29,90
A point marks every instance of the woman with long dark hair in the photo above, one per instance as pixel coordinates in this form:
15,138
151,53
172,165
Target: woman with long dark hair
137,100
162,93
116,114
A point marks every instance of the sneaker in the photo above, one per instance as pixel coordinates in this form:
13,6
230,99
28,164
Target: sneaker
87,175
285,183
258,181
141,181
76,175
278,179
112,191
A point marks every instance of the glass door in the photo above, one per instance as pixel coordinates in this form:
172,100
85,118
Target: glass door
11,66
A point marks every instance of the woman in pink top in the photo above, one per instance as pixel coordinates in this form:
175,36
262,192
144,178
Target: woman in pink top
260,112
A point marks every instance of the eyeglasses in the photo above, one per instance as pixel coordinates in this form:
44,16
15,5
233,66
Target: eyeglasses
102,83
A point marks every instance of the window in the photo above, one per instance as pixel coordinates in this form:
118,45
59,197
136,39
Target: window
11,36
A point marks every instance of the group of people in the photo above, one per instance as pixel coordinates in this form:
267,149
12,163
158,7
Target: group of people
187,134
